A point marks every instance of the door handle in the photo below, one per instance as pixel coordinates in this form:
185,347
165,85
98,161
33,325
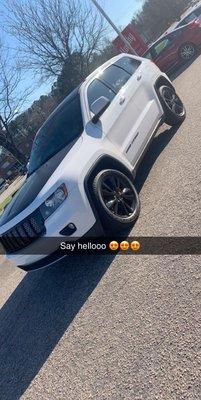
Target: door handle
121,100
139,77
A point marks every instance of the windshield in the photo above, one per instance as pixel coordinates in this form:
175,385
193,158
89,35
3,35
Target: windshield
188,19
62,127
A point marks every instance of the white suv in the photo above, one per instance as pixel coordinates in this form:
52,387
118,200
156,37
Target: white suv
84,159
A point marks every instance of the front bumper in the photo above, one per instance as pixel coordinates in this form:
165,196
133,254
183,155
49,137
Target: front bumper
55,256
76,210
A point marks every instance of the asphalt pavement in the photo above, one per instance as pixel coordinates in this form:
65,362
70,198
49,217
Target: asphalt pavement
124,327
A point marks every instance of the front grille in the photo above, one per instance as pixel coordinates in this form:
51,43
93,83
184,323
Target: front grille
24,233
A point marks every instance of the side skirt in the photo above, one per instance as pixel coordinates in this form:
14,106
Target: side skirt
162,120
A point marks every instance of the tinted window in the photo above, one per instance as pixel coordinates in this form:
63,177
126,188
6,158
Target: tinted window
188,19
191,17
115,77
161,46
128,64
148,55
198,11
61,129
97,89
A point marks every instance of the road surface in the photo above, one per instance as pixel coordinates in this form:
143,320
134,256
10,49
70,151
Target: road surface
124,327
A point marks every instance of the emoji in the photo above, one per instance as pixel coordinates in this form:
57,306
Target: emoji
124,245
113,245
135,246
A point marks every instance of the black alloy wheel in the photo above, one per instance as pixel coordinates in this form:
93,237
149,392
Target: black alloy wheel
173,101
173,106
116,198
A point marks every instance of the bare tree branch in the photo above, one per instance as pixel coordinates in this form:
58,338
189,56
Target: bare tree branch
51,31
11,100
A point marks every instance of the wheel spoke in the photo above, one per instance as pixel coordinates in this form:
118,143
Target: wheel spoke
124,207
128,206
126,194
107,193
179,108
118,196
169,103
109,189
167,97
113,182
110,204
118,182
128,209
116,207
174,108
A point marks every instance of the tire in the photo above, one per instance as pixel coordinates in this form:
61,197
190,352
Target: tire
187,51
116,199
174,109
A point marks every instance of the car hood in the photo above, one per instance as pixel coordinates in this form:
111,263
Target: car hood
32,186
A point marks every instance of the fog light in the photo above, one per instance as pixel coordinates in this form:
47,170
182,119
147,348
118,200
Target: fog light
69,229
71,226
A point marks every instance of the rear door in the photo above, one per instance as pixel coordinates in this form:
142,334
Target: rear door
164,53
124,122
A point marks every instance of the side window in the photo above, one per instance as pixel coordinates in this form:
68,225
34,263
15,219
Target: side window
115,77
198,12
97,89
161,46
128,64
190,18
148,55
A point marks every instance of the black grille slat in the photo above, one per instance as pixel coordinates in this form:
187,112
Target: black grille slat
7,243
12,241
30,232
35,226
21,231
24,233
16,237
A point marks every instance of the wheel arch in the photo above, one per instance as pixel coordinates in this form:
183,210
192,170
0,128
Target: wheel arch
104,162
161,81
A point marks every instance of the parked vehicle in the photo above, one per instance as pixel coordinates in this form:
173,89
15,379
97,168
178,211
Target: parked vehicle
4,184
85,156
191,14
176,47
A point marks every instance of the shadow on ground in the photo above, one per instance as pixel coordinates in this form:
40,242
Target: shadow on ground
178,71
38,313
157,146
44,304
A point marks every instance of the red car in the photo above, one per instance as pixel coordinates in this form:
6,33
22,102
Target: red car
175,47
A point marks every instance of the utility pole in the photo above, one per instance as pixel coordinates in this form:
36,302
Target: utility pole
100,9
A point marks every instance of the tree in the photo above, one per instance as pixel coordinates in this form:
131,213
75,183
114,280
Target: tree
28,123
11,102
53,32
76,71
157,15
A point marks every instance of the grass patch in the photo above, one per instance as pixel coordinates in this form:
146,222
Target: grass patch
4,203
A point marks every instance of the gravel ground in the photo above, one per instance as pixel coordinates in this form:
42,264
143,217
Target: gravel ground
124,327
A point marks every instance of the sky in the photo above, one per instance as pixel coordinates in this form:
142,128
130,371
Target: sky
121,13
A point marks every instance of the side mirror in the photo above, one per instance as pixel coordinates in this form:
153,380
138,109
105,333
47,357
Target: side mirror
98,107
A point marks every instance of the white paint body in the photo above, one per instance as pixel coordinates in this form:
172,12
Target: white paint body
123,132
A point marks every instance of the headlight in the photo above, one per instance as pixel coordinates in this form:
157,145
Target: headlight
54,201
